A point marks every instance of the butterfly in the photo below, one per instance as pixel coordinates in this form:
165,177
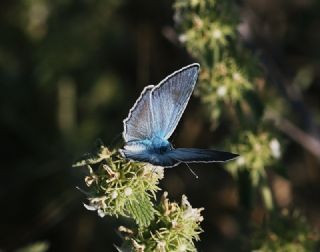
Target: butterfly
154,117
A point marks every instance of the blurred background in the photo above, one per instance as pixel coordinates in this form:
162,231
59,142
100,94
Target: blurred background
71,70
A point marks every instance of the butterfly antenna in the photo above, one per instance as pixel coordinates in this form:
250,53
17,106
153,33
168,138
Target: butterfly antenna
192,171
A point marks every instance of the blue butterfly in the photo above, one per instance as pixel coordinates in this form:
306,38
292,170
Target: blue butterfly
154,117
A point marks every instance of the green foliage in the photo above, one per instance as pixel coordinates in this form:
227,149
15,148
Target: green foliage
286,232
208,30
232,88
258,151
225,83
229,83
120,187
206,26
173,229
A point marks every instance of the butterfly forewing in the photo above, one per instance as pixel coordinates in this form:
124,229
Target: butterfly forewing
170,98
159,108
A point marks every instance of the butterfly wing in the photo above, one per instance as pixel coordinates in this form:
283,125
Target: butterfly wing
170,98
163,160
138,124
139,152
191,155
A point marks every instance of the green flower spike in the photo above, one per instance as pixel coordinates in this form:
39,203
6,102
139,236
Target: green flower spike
173,229
118,187
258,151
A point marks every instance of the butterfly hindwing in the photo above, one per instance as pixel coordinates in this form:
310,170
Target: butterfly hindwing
138,124
189,155
153,158
180,155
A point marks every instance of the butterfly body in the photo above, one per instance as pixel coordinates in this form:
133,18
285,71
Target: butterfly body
154,145
154,117
154,149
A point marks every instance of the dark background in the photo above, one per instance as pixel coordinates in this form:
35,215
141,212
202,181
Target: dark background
69,73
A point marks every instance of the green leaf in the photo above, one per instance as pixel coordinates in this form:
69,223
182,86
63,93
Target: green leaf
141,210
